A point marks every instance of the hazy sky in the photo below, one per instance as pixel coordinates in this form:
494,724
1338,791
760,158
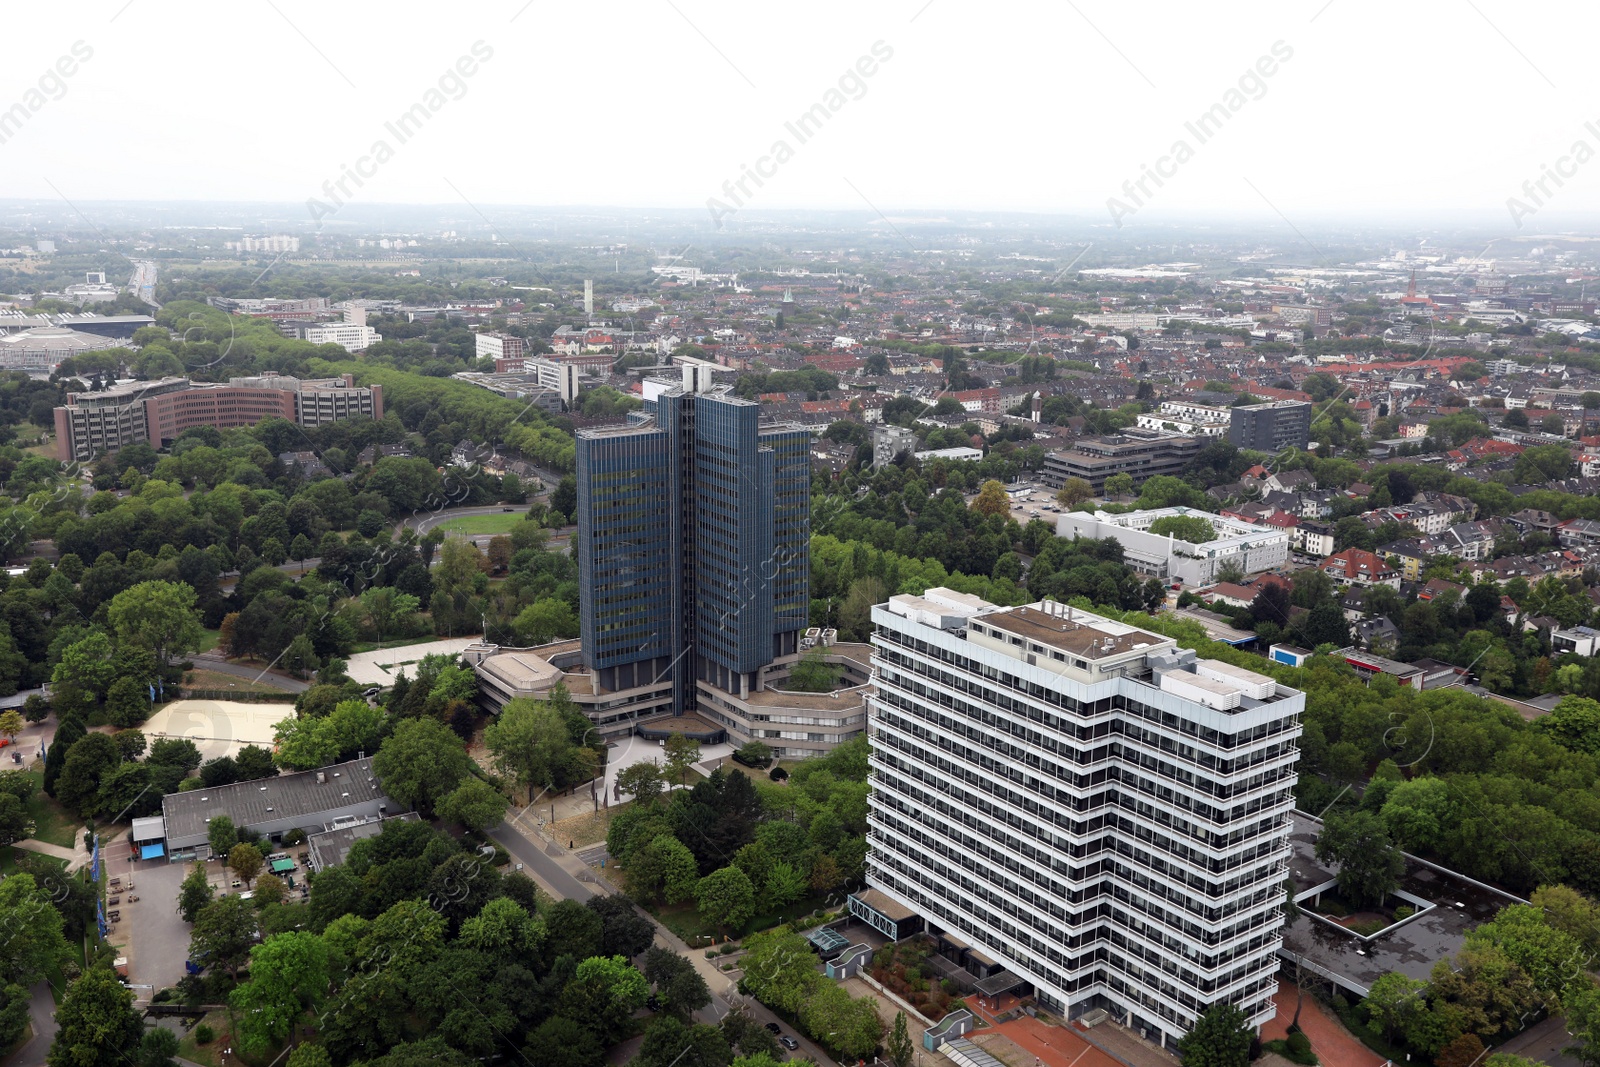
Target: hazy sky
1369,110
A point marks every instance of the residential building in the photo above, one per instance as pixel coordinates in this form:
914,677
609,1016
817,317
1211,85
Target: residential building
1250,547
1271,427
499,346
693,545
1141,454
352,336
890,442
1186,417
1078,809
1357,566
1314,538
158,412
1579,640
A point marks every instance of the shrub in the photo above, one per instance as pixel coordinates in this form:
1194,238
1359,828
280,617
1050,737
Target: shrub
294,837
1367,927
1404,911
778,774
203,1034
1334,909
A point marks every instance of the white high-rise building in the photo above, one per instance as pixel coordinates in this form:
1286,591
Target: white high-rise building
1079,809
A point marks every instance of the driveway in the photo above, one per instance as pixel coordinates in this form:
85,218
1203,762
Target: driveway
213,661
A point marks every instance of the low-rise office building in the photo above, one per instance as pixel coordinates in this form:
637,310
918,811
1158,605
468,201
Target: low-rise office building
312,801
1140,454
1250,547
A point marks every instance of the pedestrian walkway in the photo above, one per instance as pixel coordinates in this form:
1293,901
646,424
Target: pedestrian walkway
1329,1039
74,857
42,1016
1051,1046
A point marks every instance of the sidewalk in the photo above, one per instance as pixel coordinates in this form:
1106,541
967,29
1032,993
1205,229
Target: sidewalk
74,857
1329,1039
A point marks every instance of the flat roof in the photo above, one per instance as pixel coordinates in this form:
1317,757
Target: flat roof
884,905
1084,635
330,847
287,796
1412,947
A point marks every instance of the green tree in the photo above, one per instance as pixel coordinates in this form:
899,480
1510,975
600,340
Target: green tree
127,702
1394,1003
32,929
224,932
560,1042
1369,863
87,662
194,893
13,1013
850,1026
386,608
899,1045
603,994
1119,486
683,752
97,1022
245,860
531,743
1220,1038
89,760
678,985
1075,491
221,836
545,620
1188,528
725,898
288,975
780,969
784,884
475,804
992,499
643,780
158,616
420,763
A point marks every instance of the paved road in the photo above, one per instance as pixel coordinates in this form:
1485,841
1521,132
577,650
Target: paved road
42,1014
423,523
212,661
540,867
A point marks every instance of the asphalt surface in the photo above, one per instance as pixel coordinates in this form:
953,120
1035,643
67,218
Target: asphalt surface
42,1014
210,661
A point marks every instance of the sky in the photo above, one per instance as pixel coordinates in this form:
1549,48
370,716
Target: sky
1322,109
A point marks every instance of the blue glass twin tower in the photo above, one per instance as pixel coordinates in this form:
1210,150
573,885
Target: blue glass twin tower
693,545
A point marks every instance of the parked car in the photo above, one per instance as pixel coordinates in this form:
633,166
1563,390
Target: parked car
788,1042
774,1027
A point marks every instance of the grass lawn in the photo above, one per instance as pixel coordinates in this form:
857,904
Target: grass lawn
589,828
683,920
52,822
204,679
481,524
209,639
210,1053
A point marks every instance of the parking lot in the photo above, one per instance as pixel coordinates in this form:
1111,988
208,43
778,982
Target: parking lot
149,932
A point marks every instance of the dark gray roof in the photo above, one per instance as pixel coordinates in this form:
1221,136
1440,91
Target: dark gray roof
287,796
329,848
1411,947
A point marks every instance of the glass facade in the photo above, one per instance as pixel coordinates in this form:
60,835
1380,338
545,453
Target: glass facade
694,543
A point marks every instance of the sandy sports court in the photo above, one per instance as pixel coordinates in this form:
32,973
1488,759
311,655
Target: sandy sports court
218,727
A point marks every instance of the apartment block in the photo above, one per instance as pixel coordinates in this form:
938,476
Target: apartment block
1141,454
1271,427
1076,808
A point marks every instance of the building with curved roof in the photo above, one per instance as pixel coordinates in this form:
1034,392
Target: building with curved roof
42,348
